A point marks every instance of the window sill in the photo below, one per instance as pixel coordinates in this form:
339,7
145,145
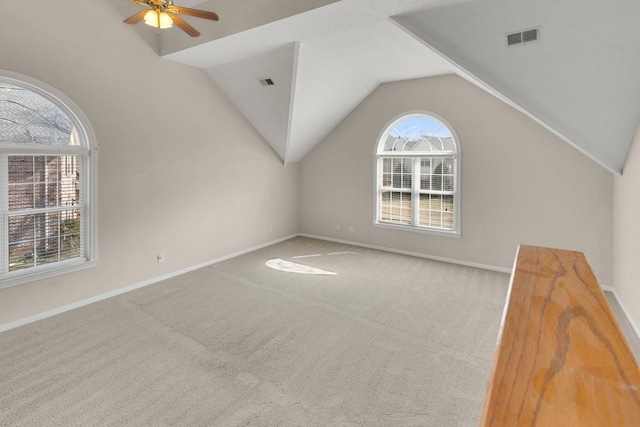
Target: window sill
414,229
15,278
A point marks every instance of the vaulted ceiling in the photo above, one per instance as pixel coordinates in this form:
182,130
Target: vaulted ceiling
580,79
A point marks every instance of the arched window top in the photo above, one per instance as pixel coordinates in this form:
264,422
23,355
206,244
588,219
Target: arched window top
28,118
418,133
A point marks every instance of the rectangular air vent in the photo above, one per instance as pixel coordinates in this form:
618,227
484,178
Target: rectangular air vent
515,38
522,37
266,82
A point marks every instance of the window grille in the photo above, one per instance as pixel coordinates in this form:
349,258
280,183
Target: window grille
417,180
45,180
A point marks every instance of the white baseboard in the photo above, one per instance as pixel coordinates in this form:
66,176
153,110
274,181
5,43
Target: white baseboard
415,254
78,304
611,289
120,291
626,312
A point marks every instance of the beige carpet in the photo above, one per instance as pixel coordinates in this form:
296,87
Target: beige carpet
390,340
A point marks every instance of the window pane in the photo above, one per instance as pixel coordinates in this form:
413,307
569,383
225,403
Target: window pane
21,256
42,238
448,183
436,179
396,207
21,196
21,228
406,180
40,196
70,228
387,165
436,211
387,170
37,182
47,250
20,169
442,176
425,173
401,176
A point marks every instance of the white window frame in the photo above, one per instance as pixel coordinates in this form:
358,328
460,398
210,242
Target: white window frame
88,150
415,190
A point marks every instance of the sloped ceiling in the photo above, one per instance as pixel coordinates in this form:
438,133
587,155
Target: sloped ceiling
268,108
580,80
340,53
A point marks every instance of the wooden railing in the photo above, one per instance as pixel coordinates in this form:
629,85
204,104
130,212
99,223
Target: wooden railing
562,359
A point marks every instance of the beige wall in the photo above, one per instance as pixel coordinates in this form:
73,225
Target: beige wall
180,170
520,183
626,234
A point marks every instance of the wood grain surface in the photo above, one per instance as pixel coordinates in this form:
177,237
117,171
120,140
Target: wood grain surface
562,359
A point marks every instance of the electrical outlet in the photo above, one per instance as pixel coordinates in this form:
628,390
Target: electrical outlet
351,229
160,258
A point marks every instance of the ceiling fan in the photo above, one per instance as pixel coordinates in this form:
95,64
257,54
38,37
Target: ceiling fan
163,14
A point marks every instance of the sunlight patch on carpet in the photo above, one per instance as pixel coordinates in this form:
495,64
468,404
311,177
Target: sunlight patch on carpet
292,267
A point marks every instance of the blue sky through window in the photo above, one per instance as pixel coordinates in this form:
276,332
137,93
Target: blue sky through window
414,127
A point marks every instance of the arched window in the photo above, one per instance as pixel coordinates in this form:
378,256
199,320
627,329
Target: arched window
47,183
417,179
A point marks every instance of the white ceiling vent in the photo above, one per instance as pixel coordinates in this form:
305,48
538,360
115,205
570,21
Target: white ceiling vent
522,37
266,82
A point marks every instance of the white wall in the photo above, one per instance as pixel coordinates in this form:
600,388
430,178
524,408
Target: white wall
557,78
180,170
520,183
626,234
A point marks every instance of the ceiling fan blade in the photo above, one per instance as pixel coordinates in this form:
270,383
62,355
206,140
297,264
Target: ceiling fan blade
183,25
141,3
134,19
205,14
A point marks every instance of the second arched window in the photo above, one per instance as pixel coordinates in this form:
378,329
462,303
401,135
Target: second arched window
417,179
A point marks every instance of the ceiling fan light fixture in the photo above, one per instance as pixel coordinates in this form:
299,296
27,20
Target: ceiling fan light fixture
162,14
157,19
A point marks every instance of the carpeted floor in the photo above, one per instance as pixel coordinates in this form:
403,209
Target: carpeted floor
389,340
